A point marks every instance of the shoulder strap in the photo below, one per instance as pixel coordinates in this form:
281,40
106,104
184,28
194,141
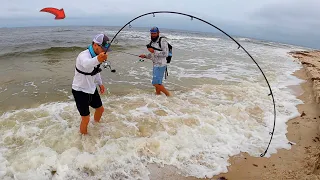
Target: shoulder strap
169,45
149,46
85,73
96,69
160,42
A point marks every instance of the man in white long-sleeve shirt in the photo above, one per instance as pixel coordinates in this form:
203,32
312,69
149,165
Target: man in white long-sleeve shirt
87,77
158,48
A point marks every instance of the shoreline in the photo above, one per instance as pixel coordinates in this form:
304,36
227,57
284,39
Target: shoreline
302,160
299,162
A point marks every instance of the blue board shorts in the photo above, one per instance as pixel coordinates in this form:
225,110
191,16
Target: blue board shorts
158,73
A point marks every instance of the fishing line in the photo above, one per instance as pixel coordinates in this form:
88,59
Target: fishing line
140,60
128,53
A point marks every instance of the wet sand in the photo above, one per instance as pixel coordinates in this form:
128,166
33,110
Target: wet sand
302,161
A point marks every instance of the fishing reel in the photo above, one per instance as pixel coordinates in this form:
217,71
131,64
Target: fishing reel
107,64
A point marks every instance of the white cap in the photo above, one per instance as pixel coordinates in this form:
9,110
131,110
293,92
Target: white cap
102,39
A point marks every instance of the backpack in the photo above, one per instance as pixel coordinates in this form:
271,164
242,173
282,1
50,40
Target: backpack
169,46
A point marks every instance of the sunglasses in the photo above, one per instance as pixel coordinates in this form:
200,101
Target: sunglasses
104,44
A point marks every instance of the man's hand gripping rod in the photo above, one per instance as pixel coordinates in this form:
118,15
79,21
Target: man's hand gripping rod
108,63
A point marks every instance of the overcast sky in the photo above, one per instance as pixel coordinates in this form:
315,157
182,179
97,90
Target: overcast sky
289,21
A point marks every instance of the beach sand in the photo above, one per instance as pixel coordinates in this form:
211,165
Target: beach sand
302,161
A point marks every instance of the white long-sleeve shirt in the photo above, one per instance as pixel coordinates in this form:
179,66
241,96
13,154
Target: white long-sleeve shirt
159,57
86,83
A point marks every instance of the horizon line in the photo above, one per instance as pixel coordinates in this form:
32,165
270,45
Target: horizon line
174,29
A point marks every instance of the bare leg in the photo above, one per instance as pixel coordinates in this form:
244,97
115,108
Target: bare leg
164,90
98,114
158,91
84,124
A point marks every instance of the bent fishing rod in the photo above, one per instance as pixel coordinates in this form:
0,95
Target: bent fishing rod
239,46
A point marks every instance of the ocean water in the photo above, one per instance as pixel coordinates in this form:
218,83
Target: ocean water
220,106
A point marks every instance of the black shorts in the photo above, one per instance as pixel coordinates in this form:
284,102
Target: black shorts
84,100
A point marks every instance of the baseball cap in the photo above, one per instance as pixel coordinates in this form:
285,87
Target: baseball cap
102,40
154,29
